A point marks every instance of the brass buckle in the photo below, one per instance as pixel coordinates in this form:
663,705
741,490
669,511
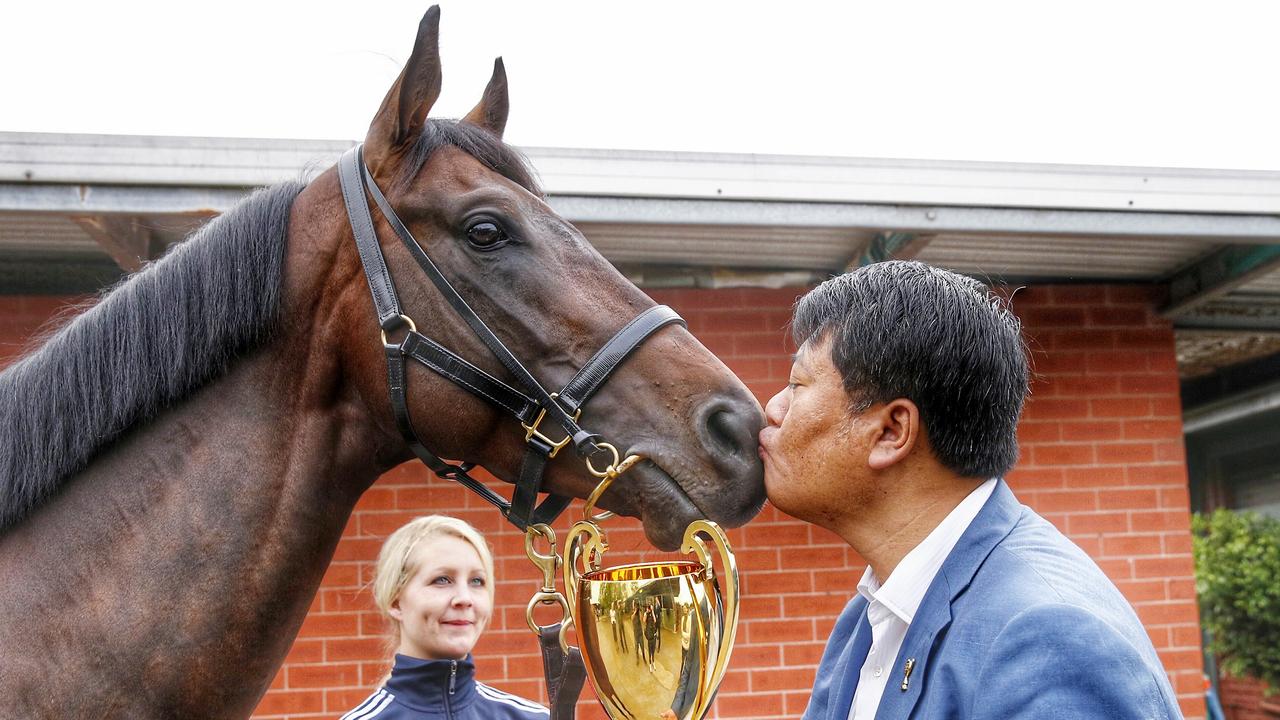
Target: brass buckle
607,476
412,328
532,431
548,564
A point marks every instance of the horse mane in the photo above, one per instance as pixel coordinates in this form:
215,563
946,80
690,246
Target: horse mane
477,142
168,330
156,337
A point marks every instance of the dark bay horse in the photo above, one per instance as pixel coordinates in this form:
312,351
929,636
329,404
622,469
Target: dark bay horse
177,463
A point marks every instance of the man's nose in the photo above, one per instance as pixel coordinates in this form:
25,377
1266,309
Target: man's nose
776,409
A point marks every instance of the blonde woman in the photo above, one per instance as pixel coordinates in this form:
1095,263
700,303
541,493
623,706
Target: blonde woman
434,584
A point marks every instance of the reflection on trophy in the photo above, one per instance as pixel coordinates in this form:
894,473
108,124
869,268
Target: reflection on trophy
656,637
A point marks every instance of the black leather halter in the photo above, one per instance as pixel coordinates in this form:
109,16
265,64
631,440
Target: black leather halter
531,406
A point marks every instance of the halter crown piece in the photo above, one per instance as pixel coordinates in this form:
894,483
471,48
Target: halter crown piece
531,405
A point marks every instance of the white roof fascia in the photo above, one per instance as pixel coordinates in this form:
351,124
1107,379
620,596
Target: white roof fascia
229,162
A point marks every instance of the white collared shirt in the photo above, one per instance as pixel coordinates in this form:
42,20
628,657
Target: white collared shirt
893,605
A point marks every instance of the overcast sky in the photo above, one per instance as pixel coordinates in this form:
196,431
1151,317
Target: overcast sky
1116,82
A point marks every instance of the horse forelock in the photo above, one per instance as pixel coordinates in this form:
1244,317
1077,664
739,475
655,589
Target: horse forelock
477,142
147,344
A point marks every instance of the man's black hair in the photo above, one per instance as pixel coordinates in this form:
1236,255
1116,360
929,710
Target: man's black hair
944,341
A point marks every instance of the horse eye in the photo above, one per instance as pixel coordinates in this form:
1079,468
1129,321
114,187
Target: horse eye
486,235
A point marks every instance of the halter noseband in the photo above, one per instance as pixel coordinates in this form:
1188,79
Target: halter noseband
531,406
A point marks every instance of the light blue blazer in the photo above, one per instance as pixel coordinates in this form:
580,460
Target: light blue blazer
1018,623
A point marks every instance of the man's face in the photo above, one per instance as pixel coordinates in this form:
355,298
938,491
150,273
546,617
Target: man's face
810,446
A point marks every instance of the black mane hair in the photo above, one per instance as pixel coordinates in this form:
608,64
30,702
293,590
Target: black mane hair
477,142
150,342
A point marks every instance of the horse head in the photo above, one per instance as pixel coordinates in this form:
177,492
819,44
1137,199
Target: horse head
475,208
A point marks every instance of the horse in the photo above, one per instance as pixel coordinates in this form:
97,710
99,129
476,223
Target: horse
179,460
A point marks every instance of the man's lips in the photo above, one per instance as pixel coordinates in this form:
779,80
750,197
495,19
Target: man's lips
763,439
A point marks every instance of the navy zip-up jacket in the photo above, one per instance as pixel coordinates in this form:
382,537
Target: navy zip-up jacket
442,690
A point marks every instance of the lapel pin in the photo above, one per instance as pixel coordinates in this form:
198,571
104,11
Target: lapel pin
906,672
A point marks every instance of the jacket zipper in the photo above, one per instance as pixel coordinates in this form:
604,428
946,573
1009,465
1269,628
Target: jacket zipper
453,679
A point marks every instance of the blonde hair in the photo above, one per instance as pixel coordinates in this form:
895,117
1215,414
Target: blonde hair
397,564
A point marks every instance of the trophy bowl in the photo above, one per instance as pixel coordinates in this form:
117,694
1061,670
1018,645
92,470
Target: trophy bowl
655,637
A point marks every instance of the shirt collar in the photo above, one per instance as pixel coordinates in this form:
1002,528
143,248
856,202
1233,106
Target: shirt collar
902,593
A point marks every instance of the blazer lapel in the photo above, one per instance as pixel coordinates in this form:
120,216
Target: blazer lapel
991,525
846,672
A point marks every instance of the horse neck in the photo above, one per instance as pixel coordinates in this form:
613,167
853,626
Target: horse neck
192,548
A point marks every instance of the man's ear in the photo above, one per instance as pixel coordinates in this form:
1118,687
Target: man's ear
898,430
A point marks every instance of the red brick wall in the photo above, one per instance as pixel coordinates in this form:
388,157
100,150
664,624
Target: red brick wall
1102,459
1246,699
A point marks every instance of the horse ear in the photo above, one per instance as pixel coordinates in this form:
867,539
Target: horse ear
405,108
491,112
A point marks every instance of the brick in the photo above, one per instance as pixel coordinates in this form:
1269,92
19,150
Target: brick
1177,497
1091,430
802,654
1162,567
1152,429
289,702
1057,408
789,534
1128,499
1084,386
759,344
748,705
1120,407
761,607
1078,294
1080,339
1093,476
1157,475
1034,478
776,679
779,631
1051,317
1032,431
305,651
1146,295
1099,522
1116,361
1063,454
1168,613
325,625
1148,384
1127,317
813,604
1065,501
323,676
1158,520
1142,591
341,649
376,498
1132,545
1125,453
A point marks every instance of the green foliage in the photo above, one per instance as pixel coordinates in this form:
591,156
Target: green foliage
1238,580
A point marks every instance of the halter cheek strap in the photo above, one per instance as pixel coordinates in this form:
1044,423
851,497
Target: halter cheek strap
531,405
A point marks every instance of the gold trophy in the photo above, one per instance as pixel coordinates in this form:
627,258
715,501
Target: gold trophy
655,637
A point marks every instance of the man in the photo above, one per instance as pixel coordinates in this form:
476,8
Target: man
894,431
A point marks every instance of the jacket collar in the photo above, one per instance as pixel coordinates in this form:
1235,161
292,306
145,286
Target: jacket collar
991,525
432,684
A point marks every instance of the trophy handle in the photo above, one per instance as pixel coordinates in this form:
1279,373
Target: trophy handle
585,542
726,582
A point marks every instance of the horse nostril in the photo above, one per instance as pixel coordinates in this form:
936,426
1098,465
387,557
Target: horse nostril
721,431
730,431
